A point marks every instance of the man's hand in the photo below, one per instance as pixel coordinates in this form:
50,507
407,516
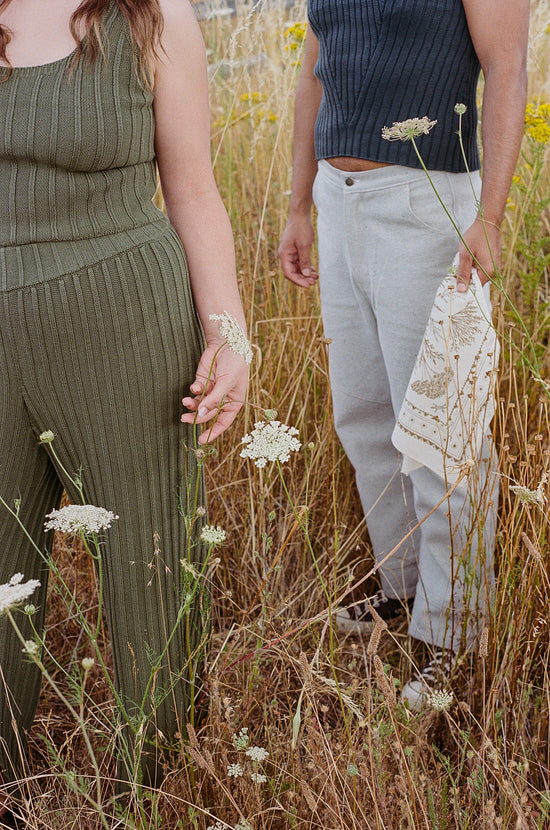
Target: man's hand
502,52
480,250
295,251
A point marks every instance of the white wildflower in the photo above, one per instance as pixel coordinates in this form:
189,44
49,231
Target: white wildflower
270,441
257,753
258,778
213,535
31,648
80,518
460,109
241,740
440,700
219,825
527,496
87,663
406,130
200,511
30,609
234,770
46,437
16,591
243,824
233,335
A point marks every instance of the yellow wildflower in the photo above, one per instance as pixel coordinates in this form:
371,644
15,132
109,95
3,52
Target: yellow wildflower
537,122
252,97
295,35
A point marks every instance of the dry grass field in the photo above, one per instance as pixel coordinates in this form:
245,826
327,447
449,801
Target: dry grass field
341,752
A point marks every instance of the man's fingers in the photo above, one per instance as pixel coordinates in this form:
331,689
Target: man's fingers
296,262
464,270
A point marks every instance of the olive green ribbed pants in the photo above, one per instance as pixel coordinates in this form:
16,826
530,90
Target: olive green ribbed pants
102,356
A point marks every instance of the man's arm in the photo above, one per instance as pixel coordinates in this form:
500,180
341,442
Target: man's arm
297,238
499,31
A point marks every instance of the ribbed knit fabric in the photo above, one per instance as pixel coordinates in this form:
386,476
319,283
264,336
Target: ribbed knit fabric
382,61
99,340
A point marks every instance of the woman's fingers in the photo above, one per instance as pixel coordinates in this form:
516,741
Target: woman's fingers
218,392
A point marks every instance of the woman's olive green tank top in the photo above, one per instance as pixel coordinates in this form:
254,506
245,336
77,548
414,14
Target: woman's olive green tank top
77,161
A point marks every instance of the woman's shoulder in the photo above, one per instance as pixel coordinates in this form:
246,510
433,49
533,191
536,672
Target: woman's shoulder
176,12
181,35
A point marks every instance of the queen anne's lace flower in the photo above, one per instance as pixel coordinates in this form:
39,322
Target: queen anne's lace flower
88,663
440,700
16,591
234,770
241,740
213,535
31,648
233,335
406,130
258,778
270,441
257,753
79,518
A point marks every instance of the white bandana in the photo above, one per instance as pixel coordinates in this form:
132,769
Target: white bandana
449,401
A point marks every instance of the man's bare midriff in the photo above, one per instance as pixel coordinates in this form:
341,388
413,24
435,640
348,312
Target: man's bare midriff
354,165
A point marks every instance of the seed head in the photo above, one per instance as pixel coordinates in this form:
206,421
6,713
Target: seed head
440,701
409,129
233,335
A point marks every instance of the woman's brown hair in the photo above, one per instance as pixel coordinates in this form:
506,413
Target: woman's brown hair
144,19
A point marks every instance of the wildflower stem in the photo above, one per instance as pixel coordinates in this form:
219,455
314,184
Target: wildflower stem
96,803
305,530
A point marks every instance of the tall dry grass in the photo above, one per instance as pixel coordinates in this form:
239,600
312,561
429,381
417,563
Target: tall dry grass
342,752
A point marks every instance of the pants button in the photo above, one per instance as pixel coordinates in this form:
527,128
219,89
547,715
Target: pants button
350,181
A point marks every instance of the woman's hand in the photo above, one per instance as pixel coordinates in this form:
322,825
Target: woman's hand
218,391
197,213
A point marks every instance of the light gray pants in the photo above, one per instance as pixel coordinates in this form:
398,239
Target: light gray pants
385,244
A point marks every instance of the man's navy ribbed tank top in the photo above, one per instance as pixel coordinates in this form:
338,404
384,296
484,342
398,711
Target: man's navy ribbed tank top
382,61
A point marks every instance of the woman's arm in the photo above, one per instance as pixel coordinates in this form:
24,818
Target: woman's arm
195,209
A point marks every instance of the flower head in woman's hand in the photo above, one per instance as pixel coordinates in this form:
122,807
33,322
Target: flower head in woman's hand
233,335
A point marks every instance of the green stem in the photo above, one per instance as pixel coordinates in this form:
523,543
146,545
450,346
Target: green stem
78,718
